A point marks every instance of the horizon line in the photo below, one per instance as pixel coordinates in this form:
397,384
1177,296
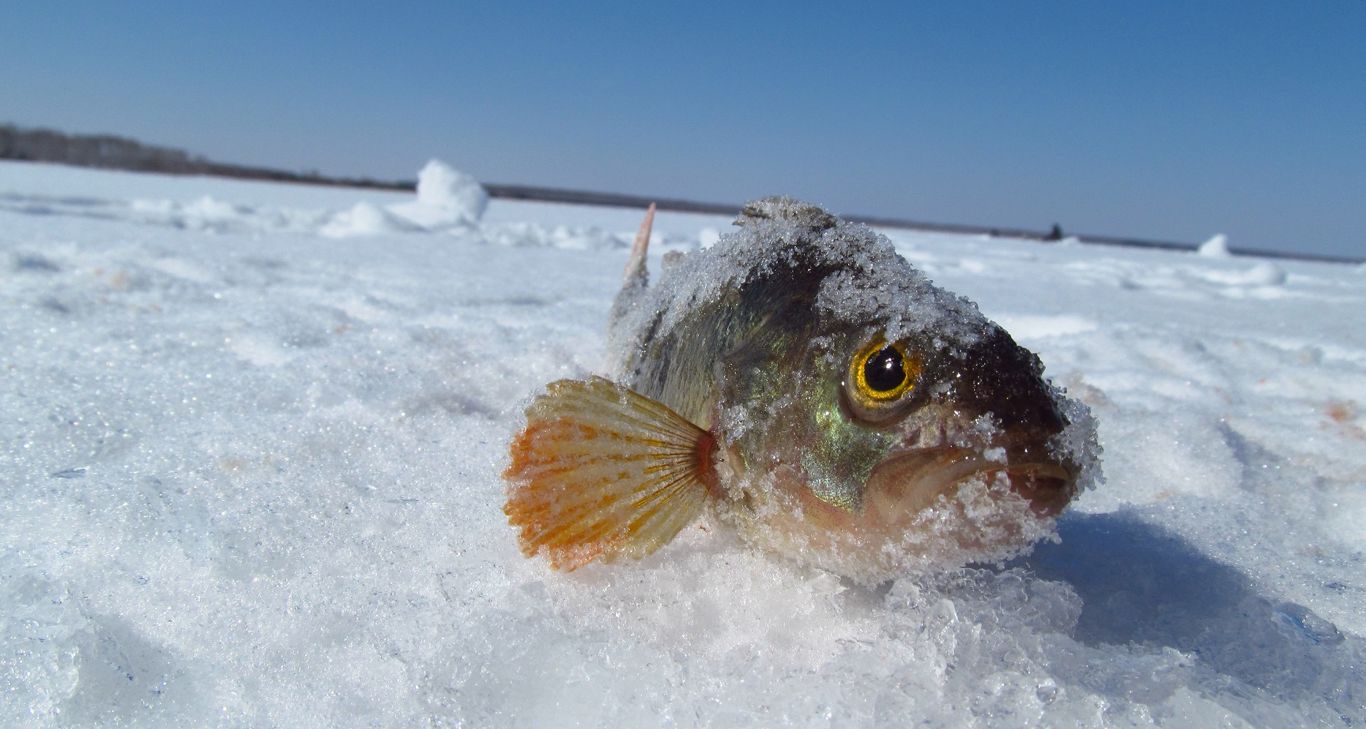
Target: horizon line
170,160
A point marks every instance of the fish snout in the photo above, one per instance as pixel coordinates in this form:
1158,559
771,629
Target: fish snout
1047,485
912,477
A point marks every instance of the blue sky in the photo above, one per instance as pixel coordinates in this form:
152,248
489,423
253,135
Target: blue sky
1158,120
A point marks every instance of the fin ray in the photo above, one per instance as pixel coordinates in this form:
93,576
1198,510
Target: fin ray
601,472
635,265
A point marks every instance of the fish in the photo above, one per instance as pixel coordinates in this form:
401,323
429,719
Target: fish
803,383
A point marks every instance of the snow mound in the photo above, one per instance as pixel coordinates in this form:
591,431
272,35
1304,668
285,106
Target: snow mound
366,219
1215,247
441,186
446,198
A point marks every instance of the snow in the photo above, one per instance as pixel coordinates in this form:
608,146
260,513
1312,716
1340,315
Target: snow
251,477
446,198
1215,247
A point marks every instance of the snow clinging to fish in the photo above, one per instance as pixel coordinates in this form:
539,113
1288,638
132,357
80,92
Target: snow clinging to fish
814,390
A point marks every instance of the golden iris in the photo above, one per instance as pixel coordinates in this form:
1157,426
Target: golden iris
882,372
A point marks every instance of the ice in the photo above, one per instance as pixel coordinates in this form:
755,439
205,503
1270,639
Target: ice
251,478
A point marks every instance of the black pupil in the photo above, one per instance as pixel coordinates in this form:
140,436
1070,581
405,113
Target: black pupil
883,371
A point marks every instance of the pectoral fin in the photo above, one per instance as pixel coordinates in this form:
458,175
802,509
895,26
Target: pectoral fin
600,471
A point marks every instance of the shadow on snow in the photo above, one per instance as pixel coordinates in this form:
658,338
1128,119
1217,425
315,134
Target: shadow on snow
1144,585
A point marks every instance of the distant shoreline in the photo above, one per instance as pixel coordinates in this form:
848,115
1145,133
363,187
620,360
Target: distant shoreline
129,155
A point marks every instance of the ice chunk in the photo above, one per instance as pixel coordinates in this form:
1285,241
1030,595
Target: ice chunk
1215,247
442,186
446,198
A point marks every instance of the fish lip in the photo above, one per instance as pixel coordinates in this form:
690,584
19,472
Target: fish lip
1047,485
915,477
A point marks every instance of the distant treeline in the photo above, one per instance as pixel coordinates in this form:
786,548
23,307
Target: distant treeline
122,153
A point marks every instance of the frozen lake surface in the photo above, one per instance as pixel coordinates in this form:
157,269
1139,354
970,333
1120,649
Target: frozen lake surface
253,433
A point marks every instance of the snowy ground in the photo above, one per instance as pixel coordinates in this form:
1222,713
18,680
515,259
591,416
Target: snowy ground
252,437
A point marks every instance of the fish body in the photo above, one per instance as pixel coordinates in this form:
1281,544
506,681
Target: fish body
812,388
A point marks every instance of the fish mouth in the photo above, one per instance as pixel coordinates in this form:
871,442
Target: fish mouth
909,481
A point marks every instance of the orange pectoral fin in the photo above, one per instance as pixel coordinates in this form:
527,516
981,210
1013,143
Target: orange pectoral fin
600,471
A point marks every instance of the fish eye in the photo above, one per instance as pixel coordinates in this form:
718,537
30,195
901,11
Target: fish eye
885,371
880,374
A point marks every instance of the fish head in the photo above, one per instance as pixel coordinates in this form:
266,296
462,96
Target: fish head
874,423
